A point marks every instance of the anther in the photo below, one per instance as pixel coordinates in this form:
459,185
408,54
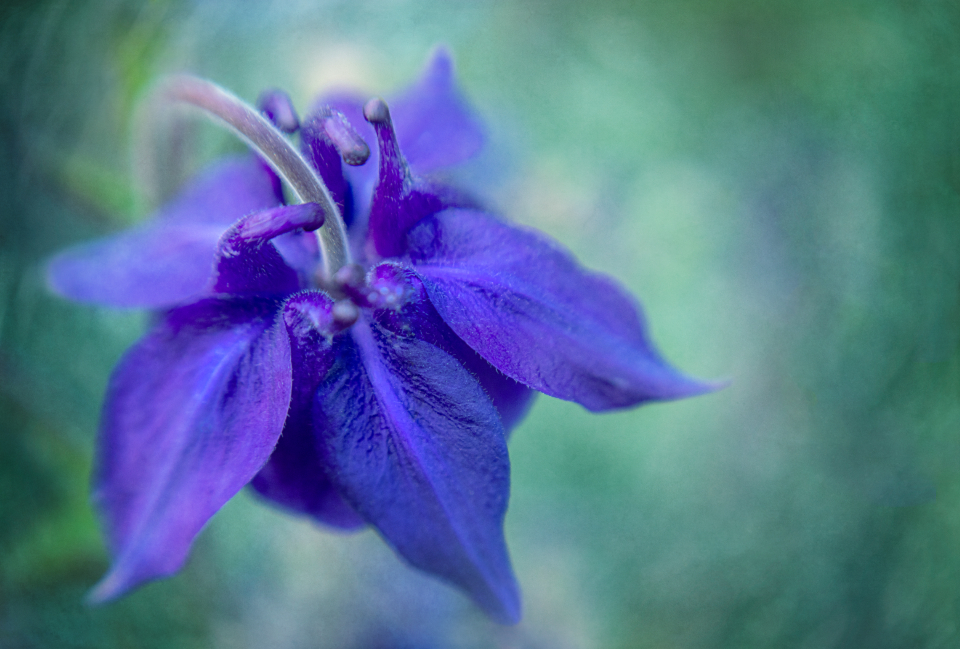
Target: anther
276,106
344,313
375,111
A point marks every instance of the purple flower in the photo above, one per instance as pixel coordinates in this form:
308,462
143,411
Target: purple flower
376,390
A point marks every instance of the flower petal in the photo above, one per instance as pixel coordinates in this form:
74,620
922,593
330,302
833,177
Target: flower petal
295,477
247,263
192,412
527,307
166,260
419,451
225,191
435,123
418,318
154,266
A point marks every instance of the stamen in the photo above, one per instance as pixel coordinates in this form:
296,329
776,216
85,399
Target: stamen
344,313
269,142
329,127
393,183
306,312
276,106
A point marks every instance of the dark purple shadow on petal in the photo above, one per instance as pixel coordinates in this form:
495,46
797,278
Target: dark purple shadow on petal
419,451
525,305
247,263
192,412
435,123
167,260
295,477
418,318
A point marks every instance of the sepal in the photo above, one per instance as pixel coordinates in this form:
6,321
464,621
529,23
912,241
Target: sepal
418,449
525,305
192,412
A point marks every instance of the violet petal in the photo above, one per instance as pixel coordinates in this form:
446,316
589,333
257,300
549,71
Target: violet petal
166,260
223,192
295,477
435,123
525,305
418,318
419,450
192,412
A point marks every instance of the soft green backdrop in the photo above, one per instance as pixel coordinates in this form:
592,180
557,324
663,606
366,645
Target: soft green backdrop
777,180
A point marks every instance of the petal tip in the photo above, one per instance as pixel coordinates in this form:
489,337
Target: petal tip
689,386
508,610
53,275
440,63
111,586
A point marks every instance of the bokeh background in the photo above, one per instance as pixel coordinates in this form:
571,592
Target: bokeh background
777,180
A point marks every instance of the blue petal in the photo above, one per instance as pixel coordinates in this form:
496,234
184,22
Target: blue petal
418,318
435,123
419,451
224,191
525,305
295,477
167,260
192,412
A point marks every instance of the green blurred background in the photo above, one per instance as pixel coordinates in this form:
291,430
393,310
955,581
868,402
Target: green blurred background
777,181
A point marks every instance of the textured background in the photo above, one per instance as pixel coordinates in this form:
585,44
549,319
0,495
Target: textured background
777,181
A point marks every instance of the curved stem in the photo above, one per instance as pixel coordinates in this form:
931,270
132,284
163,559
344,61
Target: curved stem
273,146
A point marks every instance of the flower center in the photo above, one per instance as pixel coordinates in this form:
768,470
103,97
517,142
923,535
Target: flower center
386,286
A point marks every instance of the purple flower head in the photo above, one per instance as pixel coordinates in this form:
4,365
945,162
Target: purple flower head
359,357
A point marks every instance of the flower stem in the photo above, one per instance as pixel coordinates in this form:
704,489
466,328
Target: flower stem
274,147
